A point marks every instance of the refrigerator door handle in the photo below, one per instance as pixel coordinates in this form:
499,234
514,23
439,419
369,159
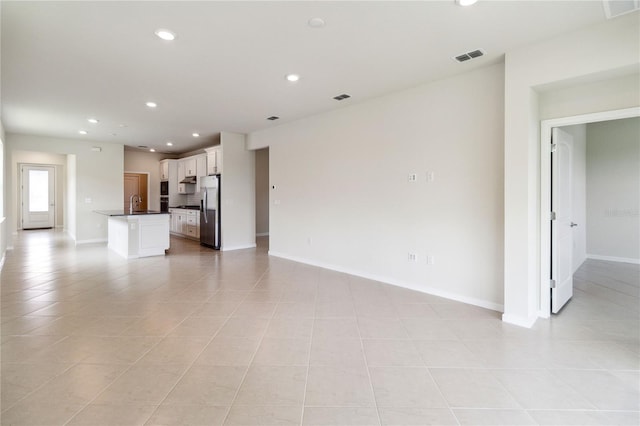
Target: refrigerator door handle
205,206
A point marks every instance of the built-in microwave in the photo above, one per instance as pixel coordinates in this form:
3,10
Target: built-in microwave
164,188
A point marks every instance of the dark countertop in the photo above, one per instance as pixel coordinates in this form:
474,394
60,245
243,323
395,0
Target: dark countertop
186,207
123,212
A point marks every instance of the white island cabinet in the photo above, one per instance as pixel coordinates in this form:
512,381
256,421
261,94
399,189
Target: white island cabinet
140,234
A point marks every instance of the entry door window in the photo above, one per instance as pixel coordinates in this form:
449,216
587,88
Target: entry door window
38,191
38,196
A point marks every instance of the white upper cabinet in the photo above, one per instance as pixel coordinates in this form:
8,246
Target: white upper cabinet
214,160
184,188
164,170
190,166
201,161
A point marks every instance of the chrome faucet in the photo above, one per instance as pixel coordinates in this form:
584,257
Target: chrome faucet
131,202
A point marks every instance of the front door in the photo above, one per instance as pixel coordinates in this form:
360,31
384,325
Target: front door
38,196
561,225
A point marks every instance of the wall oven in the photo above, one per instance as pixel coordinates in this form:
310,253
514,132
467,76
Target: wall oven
164,204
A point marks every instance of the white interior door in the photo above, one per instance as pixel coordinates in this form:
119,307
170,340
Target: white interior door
561,226
38,197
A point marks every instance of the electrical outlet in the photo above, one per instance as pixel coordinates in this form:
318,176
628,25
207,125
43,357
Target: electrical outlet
431,176
412,257
413,177
430,260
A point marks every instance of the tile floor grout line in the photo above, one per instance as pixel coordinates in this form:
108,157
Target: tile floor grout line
306,379
71,365
5,409
366,362
131,365
437,385
235,396
195,359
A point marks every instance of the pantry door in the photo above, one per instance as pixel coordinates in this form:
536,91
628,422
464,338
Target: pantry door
38,196
135,184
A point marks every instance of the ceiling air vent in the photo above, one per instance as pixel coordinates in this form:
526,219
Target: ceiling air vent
469,55
614,8
341,97
272,118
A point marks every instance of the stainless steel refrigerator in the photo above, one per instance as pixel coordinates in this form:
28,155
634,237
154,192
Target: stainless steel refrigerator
210,211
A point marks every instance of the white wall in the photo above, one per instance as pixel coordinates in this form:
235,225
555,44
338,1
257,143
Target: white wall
579,192
601,52
4,239
262,191
343,200
613,190
609,94
238,193
59,162
72,197
98,179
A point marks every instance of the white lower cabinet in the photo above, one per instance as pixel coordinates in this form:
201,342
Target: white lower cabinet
185,223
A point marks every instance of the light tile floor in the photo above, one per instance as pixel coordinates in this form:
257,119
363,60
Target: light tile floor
238,338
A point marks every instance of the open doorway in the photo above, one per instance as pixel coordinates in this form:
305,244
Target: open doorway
136,184
560,259
262,197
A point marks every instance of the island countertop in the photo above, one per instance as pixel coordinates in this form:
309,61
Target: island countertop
123,212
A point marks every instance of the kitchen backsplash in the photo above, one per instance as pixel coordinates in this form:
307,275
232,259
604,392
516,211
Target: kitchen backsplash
193,199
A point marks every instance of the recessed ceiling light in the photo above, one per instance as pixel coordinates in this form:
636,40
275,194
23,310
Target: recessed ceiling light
122,125
151,104
292,77
152,150
165,34
93,120
273,117
83,132
195,135
169,143
316,23
466,2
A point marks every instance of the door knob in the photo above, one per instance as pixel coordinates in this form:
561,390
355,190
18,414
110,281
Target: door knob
573,224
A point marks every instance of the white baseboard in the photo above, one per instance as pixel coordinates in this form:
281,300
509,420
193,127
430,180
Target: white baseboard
519,321
262,234
614,259
224,248
93,241
388,280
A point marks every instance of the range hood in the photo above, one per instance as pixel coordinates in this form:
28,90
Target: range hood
189,179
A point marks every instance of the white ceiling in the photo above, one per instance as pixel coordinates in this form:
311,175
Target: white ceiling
63,62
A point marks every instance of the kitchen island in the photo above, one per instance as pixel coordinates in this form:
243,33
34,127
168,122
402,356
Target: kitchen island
137,234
